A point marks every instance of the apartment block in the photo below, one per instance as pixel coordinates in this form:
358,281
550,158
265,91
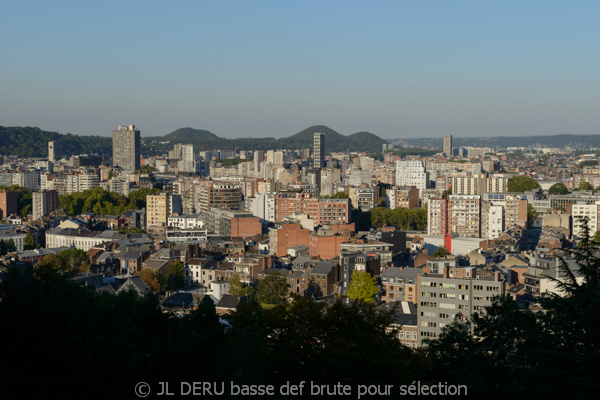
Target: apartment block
234,223
465,215
442,297
412,173
8,203
43,203
324,211
402,196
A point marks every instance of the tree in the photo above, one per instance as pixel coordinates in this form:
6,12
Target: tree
363,287
151,279
272,289
340,195
7,246
441,251
585,185
75,259
558,188
49,265
176,276
11,247
588,163
597,238
532,214
29,242
236,287
522,184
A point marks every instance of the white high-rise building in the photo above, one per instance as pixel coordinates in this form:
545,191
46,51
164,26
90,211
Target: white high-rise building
188,160
412,173
319,150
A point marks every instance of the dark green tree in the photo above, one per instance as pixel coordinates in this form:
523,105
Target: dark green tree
29,242
272,289
532,214
558,188
175,276
522,184
236,286
441,251
585,185
75,259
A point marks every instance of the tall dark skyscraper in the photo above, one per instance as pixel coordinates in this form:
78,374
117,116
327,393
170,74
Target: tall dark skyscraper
319,150
126,148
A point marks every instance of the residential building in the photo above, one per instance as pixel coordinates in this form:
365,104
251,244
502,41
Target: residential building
442,297
319,150
412,173
43,203
8,203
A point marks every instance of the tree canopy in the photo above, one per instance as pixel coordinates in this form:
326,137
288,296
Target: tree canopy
101,202
406,219
441,251
522,184
363,287
272,289
558,188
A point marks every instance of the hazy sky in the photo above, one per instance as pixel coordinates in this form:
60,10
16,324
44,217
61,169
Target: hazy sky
399,69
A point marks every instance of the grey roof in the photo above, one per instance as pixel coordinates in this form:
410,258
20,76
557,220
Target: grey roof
407,273
229,301
109,287
131,255
324,267
36,253
135,282
179,300
405,312
303,259
104,256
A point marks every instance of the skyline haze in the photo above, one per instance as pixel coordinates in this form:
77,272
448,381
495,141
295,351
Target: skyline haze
398,70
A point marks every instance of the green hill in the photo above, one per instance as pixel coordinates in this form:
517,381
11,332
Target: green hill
191,134
206,140
33,142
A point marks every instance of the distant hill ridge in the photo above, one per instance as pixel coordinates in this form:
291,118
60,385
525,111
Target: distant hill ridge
33,142
581,141
334,141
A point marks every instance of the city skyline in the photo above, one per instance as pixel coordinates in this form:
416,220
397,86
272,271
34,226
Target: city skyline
266,69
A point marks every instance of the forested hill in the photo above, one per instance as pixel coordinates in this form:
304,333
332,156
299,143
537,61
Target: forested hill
33,142
334,141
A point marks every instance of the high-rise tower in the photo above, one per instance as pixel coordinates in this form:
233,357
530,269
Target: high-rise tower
319,150
126,148
448,145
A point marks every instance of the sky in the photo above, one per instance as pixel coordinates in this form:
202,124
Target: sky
399,69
